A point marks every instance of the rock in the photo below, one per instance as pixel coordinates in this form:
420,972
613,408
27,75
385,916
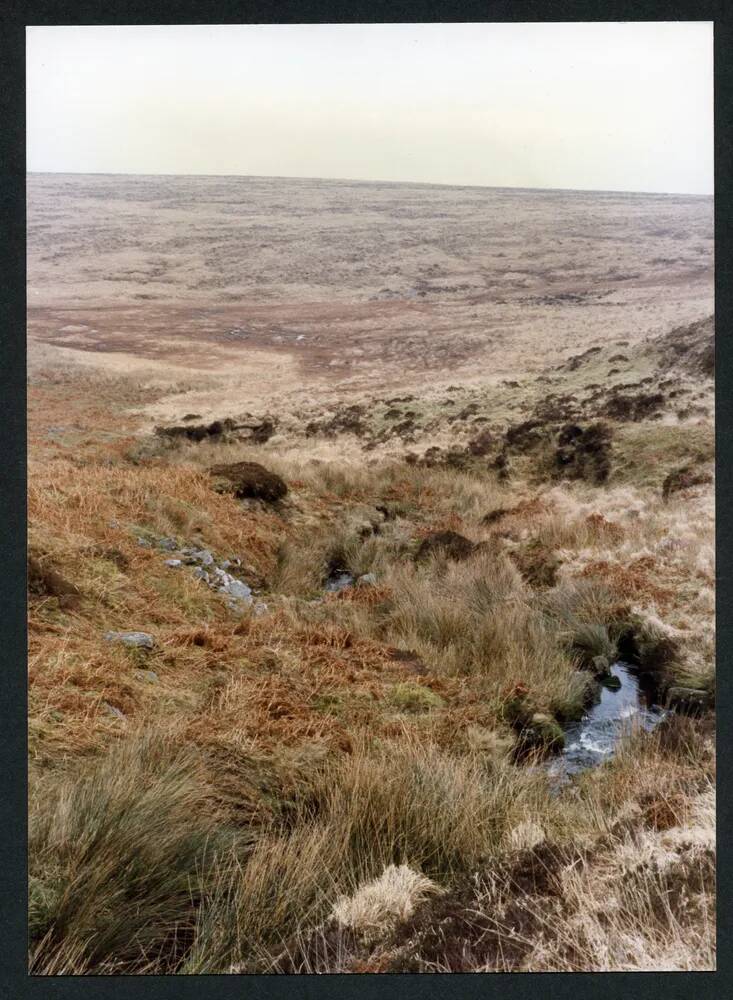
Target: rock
688,701
250,480
238,590
174,563
449,544
260,608
201,574
612,682
138,640
144,543
113,711
169,544
367,580
149,676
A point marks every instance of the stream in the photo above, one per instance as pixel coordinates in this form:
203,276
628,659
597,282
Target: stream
593,739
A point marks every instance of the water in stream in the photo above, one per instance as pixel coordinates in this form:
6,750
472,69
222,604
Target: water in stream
594,737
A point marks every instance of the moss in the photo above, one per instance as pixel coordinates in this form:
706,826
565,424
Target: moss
414,698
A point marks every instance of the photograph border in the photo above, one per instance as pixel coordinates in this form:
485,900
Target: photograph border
14,980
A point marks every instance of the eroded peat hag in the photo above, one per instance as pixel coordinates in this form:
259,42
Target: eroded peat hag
309,642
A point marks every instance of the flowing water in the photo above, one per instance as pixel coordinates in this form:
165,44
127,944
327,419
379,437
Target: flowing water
621,709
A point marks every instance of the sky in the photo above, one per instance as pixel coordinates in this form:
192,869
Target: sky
608,106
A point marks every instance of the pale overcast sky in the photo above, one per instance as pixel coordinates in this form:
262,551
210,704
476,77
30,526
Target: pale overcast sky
613,106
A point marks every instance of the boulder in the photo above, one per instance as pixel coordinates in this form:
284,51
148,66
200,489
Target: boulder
137,640
250,480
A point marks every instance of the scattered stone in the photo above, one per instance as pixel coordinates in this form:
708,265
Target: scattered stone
260,608
174,563
169,544
250,480
149,676
138,640
237,589
202,556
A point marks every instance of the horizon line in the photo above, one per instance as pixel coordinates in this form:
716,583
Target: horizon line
358,180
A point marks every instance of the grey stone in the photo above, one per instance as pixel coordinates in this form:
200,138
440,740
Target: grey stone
260,608
174,563
203,556
113,711
147,675
201,574
237,589
139,640
169,544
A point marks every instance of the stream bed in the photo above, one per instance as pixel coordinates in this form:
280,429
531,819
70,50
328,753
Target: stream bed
621,708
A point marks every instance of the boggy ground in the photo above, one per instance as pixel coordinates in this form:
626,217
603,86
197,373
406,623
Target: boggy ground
239,287
347,781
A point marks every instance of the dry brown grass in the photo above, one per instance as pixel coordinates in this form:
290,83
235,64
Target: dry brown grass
335,734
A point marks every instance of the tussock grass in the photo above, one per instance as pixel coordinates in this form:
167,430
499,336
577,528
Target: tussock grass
338,736
119,859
